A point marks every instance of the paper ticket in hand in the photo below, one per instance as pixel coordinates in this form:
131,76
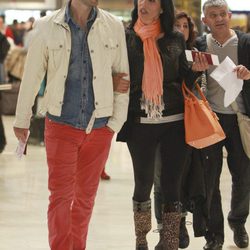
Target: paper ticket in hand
21,147
211,58
227,78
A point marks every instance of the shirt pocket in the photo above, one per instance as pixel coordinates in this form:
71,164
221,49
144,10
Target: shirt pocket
56,49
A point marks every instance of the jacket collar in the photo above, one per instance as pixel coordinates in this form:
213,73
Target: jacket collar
60,17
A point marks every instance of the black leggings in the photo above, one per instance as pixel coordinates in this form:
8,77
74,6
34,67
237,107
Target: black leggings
175,157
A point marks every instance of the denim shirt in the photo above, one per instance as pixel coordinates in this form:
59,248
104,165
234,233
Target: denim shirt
78,103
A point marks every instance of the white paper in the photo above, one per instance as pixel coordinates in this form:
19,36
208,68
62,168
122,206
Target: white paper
226,77
21,147
189,55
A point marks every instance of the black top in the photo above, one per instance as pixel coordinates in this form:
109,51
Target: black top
175,70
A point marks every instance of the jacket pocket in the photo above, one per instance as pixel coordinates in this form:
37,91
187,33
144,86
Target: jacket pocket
110,47
56,50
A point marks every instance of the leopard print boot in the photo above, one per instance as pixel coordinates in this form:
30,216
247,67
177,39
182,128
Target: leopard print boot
171,226
142,220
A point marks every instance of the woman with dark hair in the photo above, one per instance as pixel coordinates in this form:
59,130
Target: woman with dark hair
185,25
158,66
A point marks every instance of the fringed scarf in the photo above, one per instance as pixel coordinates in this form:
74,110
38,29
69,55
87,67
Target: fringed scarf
152,81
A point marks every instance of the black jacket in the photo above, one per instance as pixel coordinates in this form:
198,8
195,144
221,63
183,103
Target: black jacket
4,47
175,70
243,58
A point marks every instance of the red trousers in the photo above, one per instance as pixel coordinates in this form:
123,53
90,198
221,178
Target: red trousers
75,161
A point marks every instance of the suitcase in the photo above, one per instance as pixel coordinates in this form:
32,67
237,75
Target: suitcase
8,99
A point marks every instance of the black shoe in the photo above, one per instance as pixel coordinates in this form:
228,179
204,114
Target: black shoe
2,144
142,247
183,236
241,239
213,245
159,246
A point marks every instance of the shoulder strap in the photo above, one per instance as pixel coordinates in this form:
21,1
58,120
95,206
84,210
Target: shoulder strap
235,107
209,42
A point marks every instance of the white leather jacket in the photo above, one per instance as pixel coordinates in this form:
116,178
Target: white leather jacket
49,52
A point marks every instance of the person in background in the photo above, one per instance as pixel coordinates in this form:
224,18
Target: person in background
120,85
185,24
2,133
104,175
28,33
4,48
79,47
158,66
6,29
224,42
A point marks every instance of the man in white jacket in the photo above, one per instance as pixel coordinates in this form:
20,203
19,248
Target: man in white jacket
78,48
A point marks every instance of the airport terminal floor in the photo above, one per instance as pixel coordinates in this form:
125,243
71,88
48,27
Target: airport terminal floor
24,200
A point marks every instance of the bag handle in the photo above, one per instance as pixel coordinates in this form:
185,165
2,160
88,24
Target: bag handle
235,107
187,92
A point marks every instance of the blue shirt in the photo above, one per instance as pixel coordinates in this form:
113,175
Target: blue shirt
78,102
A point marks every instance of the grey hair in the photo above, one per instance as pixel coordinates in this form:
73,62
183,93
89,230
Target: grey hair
214,3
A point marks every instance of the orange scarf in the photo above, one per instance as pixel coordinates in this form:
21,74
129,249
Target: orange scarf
152,81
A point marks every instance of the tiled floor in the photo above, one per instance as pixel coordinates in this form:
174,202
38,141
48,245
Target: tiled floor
24,199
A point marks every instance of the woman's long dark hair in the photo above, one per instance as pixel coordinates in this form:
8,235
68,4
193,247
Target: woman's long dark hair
167,17
192,33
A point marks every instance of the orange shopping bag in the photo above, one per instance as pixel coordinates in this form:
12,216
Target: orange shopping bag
202,127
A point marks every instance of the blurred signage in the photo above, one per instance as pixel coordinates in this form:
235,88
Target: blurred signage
25,1
28,4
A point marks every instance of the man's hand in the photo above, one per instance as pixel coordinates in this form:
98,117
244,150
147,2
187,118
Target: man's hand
120,84
21,133
242,72
200,63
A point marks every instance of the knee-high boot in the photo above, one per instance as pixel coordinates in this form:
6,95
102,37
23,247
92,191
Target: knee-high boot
171,226
142,220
